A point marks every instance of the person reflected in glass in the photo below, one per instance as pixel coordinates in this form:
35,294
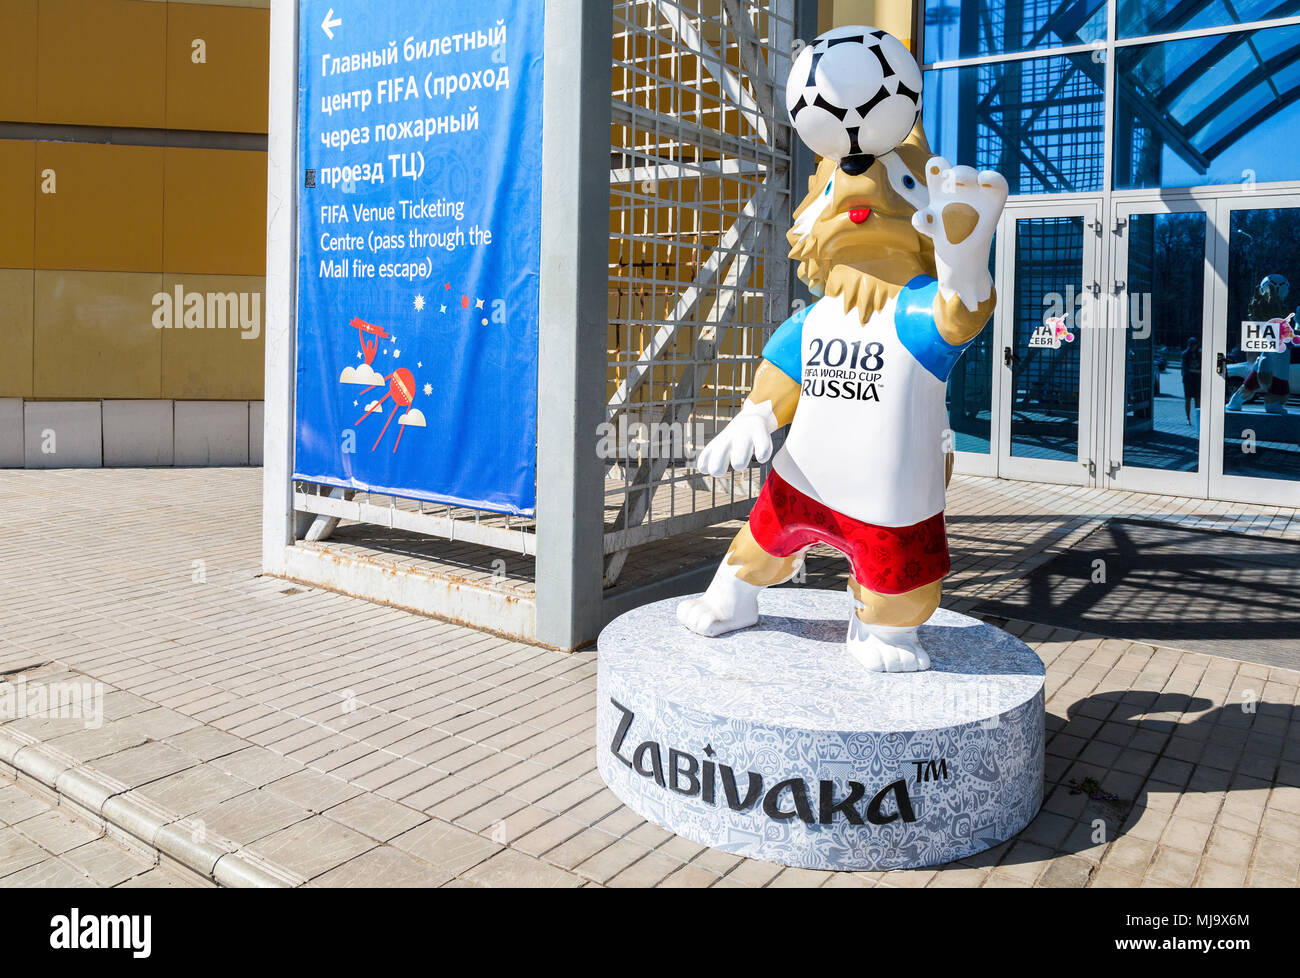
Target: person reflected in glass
1191,368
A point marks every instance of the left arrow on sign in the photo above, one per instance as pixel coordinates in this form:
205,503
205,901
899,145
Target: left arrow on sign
330,23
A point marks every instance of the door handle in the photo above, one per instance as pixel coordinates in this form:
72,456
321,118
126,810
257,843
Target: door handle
1120,286
1221,364
1009,357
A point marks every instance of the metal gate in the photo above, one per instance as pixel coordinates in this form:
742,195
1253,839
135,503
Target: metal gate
700,197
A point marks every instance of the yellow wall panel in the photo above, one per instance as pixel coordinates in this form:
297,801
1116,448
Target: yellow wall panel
16,332
107,212
228,92
895,16
17,205
102,62
94,335
215,203
213,363
18,60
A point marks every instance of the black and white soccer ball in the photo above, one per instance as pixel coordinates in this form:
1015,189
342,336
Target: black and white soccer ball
854,94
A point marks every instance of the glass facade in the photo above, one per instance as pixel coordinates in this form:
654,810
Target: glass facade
1208,110
1216,108
1114,102
1040,122
983,27
1143,18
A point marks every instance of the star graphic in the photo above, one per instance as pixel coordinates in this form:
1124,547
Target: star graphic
479,304
428,390
444,308
397,354
358,356
356,404
420,364
419,303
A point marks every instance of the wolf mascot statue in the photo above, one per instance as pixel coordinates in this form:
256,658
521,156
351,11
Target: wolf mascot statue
897,247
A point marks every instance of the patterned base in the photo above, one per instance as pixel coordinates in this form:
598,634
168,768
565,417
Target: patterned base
772,742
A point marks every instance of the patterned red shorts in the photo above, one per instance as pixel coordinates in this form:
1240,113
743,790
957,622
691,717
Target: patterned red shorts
885,559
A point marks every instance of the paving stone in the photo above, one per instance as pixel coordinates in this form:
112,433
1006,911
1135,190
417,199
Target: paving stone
383,867
311,847
141,765
257,765
192,790
105,862
248,817
17,805
376,817
55,832
511,868
313,790
17,853
446,847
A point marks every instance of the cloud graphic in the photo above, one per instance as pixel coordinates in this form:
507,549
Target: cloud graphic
414,418
375,407
362,375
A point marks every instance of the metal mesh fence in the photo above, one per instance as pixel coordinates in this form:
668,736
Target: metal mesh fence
698,277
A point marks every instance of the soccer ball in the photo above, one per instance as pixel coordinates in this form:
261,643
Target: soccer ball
854,94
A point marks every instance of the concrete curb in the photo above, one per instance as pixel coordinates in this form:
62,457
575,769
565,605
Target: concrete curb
148,829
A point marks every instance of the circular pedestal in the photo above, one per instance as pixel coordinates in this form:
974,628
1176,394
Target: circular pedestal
772,742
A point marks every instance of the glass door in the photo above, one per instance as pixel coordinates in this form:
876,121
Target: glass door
1161,294
1048,345
1255,362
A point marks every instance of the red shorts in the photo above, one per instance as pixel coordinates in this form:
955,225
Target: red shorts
885,559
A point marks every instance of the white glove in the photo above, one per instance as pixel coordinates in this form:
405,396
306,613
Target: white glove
749,435
962,259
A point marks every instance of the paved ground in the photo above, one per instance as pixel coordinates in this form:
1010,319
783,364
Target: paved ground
333,742
41,845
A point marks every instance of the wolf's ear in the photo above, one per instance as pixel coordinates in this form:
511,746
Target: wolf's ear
917,138
915,151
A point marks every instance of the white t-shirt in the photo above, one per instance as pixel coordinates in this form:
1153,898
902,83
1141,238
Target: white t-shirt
868,438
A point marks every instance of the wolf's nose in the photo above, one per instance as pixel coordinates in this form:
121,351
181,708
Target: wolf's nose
857,163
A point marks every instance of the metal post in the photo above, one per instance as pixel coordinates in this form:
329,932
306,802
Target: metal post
571,358
803,164
281,286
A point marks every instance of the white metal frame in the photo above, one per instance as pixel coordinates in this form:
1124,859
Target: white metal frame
1274,492
1090,339
1119,475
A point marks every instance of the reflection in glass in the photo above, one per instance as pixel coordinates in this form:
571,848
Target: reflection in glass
1162,375
1045,358
970,391
972,28
1039,122
1207,110
1261,422
1138,18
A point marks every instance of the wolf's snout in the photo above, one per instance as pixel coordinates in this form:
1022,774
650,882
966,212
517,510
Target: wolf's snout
857,163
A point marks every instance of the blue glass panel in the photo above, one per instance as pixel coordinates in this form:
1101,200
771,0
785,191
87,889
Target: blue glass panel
1261,419
1039,122
972,28
1208,110
1162,375
1139,18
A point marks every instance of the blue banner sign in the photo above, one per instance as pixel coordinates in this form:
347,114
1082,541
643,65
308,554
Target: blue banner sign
419,236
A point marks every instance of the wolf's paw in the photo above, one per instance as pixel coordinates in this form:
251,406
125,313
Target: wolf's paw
960,219
880,649
703,616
